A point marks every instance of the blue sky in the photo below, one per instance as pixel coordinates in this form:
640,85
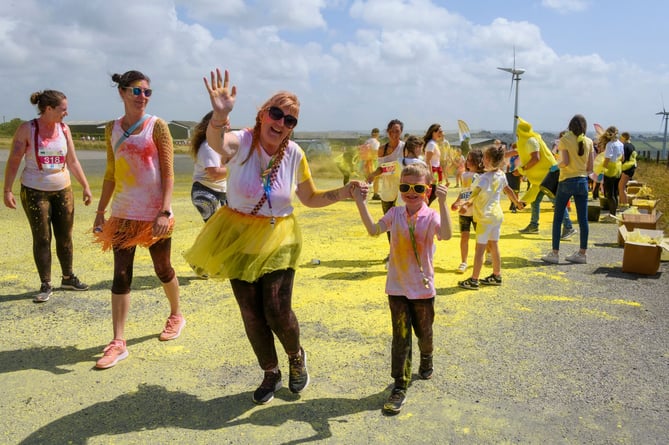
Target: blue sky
354,64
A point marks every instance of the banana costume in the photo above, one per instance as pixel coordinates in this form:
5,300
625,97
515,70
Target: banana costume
631,162
538,171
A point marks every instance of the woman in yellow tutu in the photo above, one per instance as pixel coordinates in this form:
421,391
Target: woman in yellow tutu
255,241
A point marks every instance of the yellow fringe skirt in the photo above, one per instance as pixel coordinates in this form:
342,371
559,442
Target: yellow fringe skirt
125,233
236,245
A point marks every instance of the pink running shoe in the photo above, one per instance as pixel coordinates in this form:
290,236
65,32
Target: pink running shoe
112,354
175,323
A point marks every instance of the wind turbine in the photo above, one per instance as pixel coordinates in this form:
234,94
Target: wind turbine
515,76
665,119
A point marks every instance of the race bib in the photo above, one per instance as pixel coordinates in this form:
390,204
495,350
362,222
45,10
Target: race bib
388,168
51,160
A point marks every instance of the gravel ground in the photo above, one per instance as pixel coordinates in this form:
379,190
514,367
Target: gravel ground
558,354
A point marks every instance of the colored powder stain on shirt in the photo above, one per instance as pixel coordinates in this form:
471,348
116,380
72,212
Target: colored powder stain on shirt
123,174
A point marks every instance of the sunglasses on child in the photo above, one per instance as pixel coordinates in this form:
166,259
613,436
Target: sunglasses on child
418,188
277,114
136,91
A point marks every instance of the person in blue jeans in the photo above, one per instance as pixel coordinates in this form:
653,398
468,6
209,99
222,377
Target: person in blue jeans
576,158
533,227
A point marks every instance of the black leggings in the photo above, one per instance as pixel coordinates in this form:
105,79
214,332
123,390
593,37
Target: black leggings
611,193
47,211
124,260
266,308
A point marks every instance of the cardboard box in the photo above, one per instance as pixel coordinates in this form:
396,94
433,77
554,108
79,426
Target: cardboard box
644,205
642,257
633,221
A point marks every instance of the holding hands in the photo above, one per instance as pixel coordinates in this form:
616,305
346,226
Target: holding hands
358,190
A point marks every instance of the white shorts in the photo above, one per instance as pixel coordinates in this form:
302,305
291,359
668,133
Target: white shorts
487,232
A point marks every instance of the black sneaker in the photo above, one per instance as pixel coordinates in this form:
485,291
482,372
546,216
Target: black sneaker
492,280
469,283
45,292
73,283
568,233
531,228
425,369
270,384
298,378
395,401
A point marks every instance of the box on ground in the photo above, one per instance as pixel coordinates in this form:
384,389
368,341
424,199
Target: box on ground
642,251
644,205
633,221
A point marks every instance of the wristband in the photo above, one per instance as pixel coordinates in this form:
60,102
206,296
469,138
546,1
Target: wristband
225,124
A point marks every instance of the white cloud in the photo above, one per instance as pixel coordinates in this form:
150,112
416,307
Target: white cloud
353,67
566,6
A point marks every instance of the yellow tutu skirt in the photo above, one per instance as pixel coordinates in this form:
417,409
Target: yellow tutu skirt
236,245
126,233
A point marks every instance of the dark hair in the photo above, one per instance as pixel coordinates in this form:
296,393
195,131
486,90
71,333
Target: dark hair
200,134
578,125
128,78
495,154
428,134
46,98
375,130
476,155
411,144
395,122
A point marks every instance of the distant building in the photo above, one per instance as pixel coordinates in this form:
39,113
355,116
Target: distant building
180,130
87,129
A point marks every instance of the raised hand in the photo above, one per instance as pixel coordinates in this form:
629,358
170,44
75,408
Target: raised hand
222,97
442,192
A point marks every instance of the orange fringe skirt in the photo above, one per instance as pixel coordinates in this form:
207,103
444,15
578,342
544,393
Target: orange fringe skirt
125,233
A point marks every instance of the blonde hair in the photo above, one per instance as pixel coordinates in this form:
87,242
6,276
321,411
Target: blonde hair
419,170
611,134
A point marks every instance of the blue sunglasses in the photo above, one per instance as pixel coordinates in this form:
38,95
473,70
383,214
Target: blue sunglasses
136,91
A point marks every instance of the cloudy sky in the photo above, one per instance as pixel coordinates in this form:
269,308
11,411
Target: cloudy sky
354,64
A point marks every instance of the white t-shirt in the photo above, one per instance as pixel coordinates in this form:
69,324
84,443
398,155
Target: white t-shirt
245,184
207,157
432,147
373,143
